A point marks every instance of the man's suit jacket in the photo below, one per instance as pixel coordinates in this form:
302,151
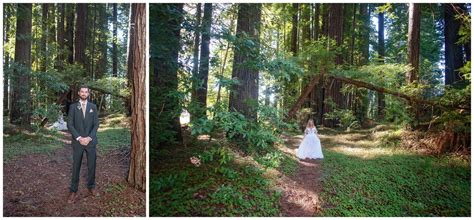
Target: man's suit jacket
80,126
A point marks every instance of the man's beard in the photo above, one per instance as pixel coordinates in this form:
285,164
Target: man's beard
84,99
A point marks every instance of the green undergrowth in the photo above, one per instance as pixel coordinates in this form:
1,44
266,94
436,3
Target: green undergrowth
367,174
224,183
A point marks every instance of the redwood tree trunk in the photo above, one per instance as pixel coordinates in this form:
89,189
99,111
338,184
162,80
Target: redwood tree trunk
137,69
70,32
316,21
197,40
294,30
101,69
60,36
414,16
332,88
336,26
202,77
364,33
246,92
21,83
44,36
164,51
6,28
453,52
114,41
81,34
381,52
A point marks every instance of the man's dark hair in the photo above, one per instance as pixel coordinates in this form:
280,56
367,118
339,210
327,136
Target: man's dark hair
82,87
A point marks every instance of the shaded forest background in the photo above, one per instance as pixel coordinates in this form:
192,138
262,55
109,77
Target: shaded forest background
70,44
345,65
52,49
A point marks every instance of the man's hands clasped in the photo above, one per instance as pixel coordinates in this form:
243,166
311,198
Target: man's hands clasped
84,141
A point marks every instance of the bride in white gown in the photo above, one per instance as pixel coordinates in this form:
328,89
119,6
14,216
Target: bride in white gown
310,147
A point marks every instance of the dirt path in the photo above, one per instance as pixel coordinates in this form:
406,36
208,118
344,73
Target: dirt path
301,190
37,185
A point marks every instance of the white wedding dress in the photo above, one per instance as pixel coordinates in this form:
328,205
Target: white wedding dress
310,147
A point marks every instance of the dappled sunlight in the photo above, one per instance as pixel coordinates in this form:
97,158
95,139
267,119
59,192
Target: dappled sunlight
101,129
368,153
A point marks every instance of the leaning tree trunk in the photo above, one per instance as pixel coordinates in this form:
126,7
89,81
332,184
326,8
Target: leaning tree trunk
246,92
137,69
21,82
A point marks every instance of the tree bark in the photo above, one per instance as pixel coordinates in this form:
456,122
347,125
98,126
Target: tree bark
246,92
381,38
60,36
294,30
81,34
381,59
165,46
325,17
306,23
6,66
332,89
203,73
353,27
316,21
336,26
364,33
101,69
70,32
114,41
414,18
453,52
21,84
44,36
137,69
197,40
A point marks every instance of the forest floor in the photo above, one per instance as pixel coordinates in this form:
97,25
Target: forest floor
301,189
36,181
365,172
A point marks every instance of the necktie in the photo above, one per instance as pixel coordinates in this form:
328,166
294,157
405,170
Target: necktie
84,109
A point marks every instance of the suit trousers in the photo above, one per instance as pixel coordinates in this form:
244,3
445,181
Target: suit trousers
78,151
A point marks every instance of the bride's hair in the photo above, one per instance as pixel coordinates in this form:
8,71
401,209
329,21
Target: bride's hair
310,123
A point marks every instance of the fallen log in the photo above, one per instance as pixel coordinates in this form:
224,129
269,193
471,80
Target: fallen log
397,94
307,90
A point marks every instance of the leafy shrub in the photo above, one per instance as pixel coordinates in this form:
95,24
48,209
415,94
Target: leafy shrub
345,117
271,159
254,136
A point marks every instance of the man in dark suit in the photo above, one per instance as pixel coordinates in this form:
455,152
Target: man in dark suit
83,123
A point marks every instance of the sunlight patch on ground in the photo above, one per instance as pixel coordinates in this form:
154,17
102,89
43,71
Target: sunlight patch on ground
367,153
